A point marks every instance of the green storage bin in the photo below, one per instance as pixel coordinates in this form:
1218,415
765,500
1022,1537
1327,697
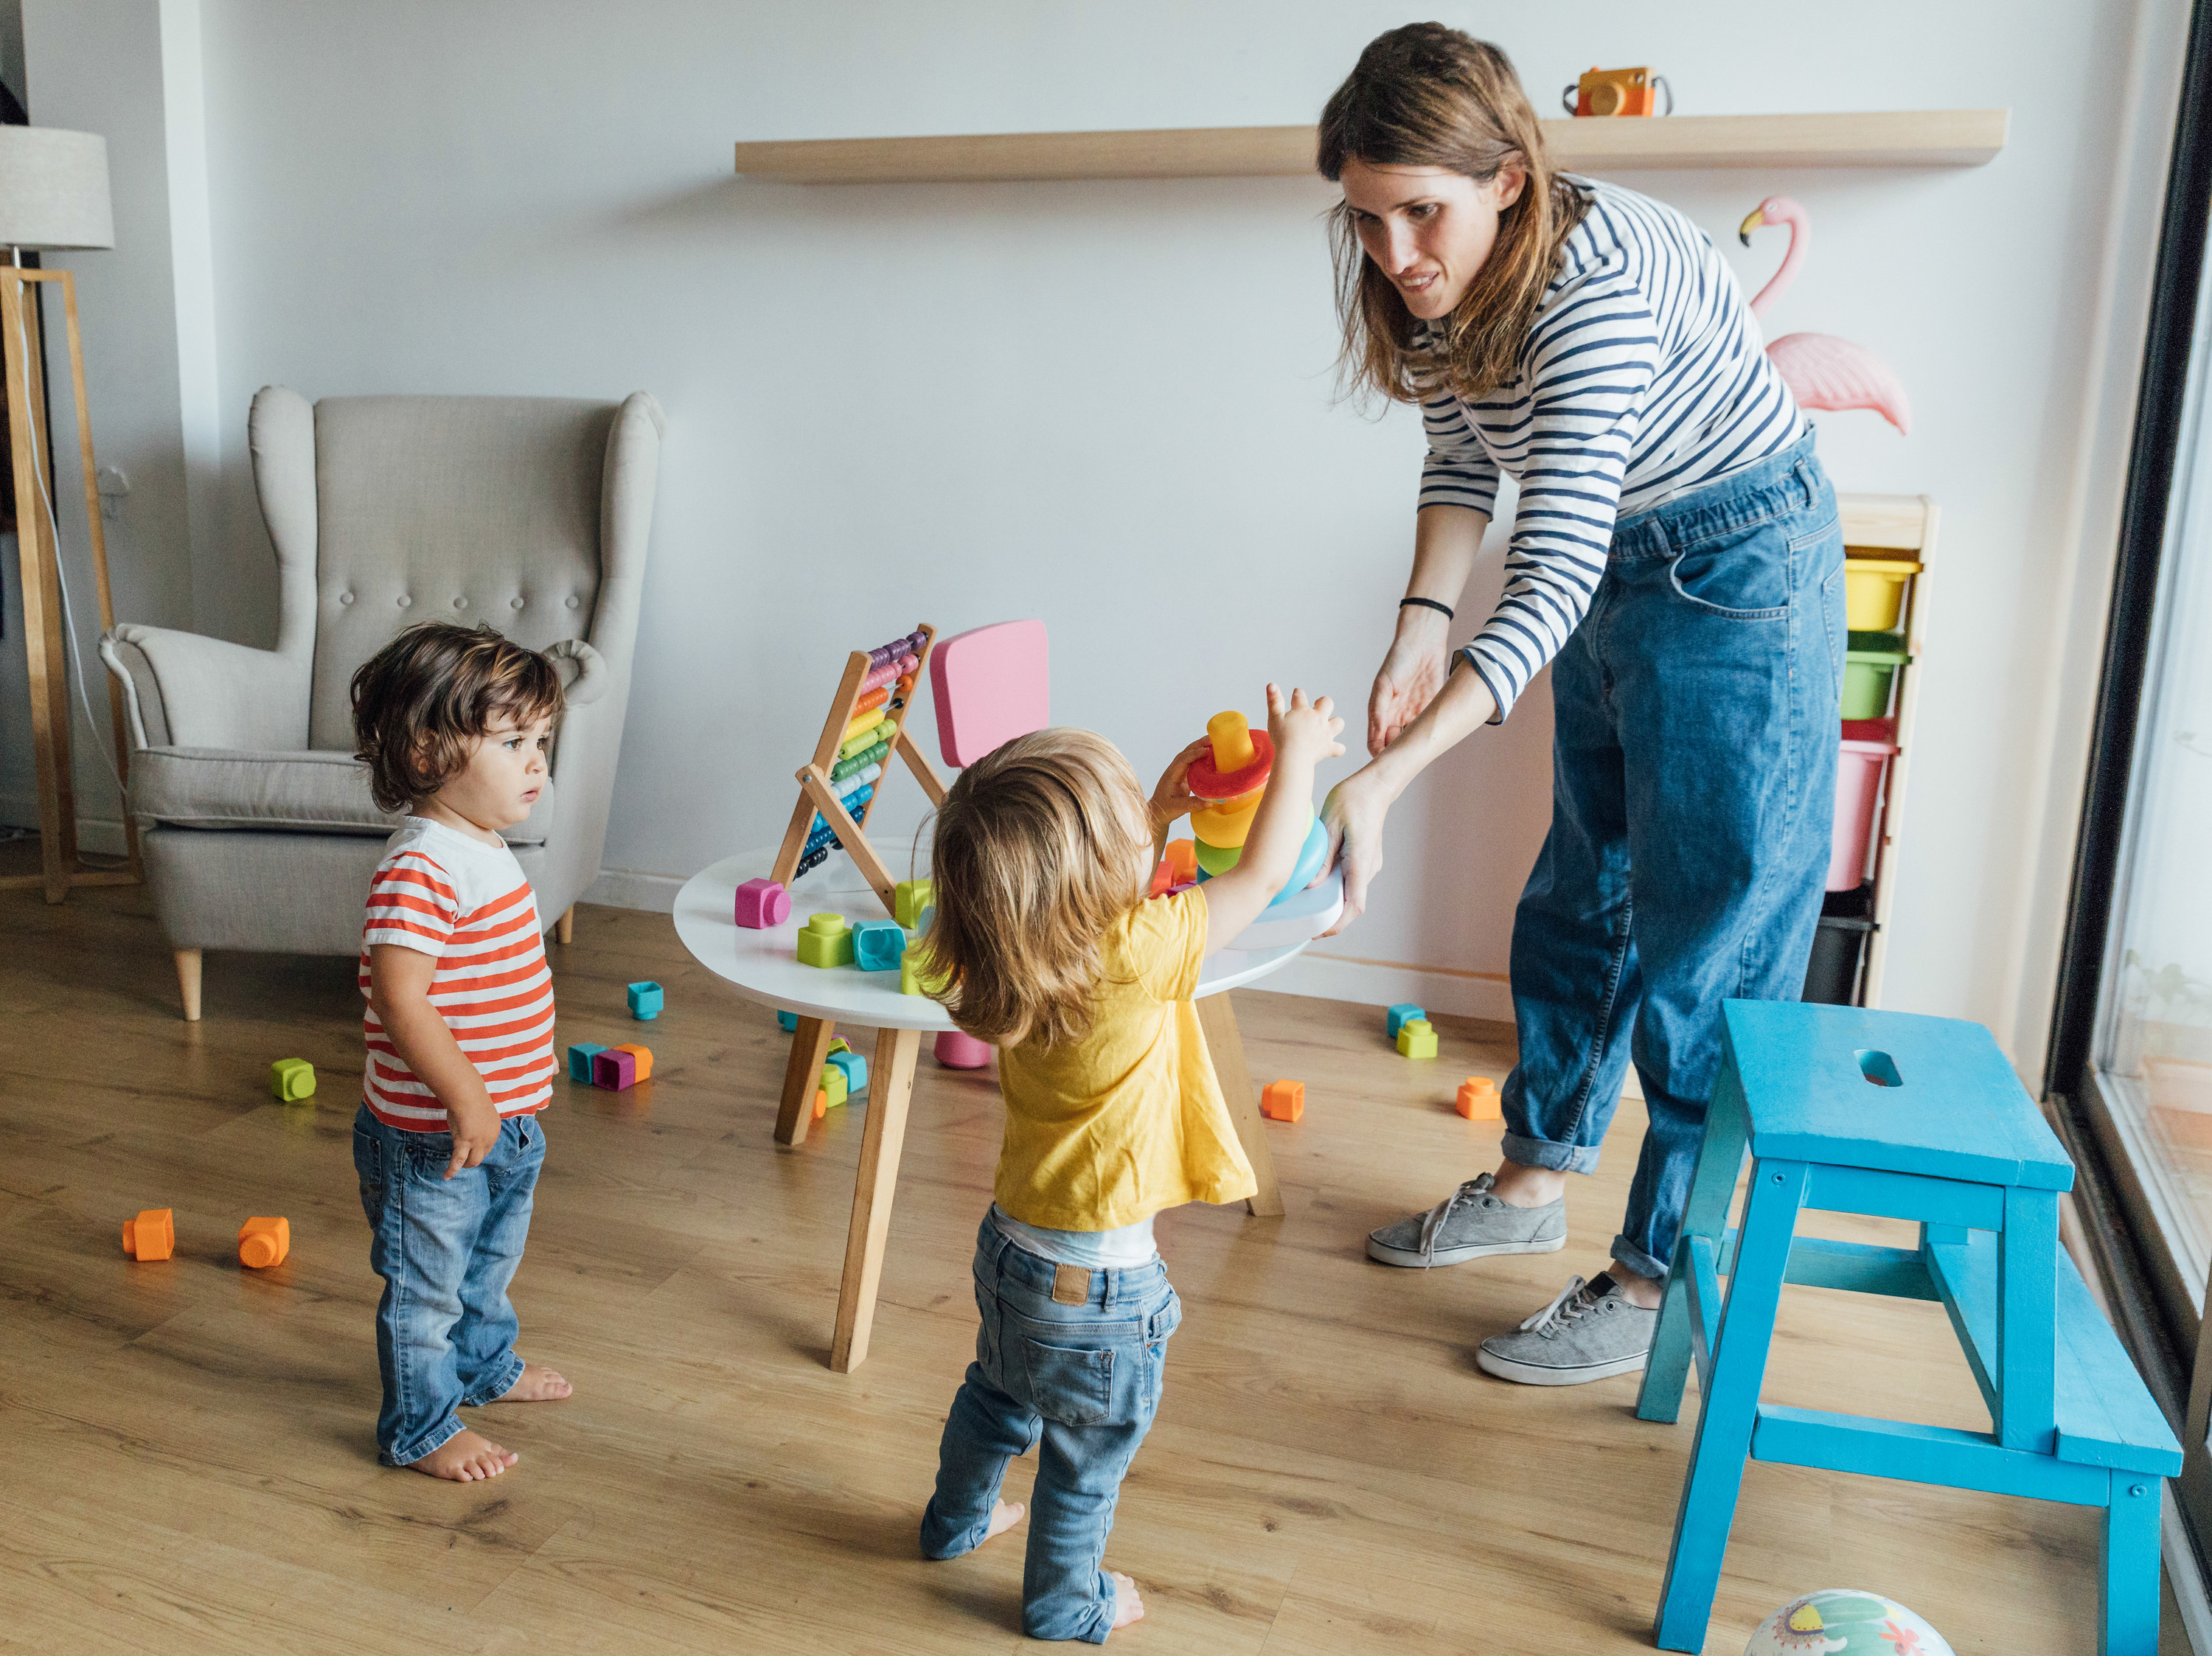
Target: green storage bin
1870,666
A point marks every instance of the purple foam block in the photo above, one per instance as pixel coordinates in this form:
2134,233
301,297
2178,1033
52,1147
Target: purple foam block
617,1071
763,904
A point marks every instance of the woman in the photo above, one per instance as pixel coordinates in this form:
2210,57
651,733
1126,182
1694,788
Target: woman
1675,556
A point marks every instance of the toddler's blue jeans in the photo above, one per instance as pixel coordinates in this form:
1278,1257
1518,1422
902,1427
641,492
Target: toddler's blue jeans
1692,797
446,1249
1073,1369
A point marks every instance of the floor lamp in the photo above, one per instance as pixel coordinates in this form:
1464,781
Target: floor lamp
53,195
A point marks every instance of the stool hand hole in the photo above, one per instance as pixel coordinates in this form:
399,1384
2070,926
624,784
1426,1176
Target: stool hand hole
1879,1069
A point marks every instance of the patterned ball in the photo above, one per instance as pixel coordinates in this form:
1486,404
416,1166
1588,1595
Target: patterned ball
1845,1622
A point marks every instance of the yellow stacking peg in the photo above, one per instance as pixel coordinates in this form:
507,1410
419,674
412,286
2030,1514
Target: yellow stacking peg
1231,736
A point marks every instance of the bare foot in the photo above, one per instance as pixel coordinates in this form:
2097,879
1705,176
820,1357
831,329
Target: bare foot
465,1456
1004,1516
537,1384
1128,1606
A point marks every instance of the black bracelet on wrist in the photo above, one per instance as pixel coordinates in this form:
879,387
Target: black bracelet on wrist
1428,603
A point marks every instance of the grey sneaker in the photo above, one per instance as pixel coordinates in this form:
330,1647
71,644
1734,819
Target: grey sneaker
1469,1224
1589,1333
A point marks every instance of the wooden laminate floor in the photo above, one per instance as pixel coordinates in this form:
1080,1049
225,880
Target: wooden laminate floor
186,1450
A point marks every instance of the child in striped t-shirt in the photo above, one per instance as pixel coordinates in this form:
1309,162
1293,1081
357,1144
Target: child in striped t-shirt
454,725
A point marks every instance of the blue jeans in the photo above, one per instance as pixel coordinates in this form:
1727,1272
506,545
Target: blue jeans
1692,794
1082,1379
446,1249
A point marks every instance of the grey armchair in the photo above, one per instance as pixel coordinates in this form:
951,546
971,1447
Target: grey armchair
529,513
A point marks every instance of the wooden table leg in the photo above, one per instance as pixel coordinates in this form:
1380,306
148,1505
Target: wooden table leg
809,1051
1219,1020
890,1088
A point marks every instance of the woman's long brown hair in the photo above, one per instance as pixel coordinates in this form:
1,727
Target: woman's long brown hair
1426,95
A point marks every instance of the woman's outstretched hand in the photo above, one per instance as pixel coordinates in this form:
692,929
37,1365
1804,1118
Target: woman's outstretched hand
1410,676
1352,813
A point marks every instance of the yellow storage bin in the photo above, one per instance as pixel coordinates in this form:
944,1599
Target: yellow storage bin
1873,592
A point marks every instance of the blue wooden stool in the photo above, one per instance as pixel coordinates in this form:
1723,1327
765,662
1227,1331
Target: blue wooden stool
1945,1135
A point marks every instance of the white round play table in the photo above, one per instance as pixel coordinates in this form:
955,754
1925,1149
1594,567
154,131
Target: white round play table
764,967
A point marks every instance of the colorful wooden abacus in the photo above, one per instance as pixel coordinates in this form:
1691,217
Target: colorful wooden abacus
839,785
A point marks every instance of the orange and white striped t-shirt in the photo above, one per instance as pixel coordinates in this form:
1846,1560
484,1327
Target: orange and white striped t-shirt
441,893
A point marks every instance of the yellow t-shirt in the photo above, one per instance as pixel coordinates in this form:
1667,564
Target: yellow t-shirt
1106,1130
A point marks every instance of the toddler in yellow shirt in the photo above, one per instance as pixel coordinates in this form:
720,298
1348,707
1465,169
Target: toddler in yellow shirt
1050,950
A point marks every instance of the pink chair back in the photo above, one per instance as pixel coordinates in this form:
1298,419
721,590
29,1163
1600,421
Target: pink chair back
991,685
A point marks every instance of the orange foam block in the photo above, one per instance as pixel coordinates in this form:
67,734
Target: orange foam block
821,1102
1282,1100
642,1054
151,1235
1479,1099
1182,858
264,1242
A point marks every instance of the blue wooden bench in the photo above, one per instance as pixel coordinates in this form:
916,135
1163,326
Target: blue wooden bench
1909,1117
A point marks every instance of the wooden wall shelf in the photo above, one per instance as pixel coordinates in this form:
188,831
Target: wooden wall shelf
1926,137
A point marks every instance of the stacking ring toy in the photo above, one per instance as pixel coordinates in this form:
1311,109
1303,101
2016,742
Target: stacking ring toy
1228,822
1240,761
1310,856
1217,859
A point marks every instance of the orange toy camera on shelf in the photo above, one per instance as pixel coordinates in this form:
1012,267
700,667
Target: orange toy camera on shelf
1617,92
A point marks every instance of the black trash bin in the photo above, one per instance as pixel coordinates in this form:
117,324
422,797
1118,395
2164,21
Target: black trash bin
1832,977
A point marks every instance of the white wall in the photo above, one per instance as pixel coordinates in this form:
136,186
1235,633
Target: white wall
1108,405
106,67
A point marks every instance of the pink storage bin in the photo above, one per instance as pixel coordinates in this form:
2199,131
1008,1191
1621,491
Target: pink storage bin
1868,746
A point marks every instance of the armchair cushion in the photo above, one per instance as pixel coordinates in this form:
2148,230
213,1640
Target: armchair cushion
319,792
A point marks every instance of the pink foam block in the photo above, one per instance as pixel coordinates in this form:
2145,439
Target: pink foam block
958,1050
613,1069
763,904
992,684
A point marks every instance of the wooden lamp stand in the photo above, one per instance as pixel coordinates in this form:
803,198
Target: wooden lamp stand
53,195
38,550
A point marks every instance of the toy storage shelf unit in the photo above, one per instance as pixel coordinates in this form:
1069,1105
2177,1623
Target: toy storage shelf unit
1900,137
1889,540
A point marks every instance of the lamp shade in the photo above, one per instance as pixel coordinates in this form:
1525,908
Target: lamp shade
53,189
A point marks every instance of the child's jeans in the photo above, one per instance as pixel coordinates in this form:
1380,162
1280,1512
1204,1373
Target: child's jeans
1074,1358
446,1249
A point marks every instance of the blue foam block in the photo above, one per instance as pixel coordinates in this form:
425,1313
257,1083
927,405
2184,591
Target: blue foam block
856,1071
877,944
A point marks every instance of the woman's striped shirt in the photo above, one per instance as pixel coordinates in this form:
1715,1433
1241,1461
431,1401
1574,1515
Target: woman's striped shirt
1643,379
441,893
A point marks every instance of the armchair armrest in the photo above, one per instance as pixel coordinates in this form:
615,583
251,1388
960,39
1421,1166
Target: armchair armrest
188,691
584,675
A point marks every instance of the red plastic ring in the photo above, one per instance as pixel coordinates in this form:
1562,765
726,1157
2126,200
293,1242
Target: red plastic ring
1207,783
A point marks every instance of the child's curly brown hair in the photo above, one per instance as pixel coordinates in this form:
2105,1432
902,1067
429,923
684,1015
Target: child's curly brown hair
419,701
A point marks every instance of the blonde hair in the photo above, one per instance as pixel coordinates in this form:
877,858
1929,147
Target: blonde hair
1040,847
1426,95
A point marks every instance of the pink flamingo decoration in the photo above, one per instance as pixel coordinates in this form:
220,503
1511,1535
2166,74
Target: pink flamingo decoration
1821,371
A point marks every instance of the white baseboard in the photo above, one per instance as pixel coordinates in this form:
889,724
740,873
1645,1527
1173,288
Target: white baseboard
101,836
628,888
1329,976
1325,976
